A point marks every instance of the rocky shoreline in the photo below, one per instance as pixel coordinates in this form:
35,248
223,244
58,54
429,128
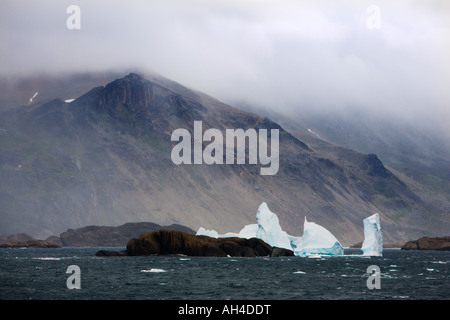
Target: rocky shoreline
29,244
428,243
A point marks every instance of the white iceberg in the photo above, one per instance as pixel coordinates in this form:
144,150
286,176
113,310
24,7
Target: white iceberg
249,231
269,229
204,232
316,240
373,239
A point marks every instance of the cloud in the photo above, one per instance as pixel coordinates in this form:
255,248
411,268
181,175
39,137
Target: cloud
285,54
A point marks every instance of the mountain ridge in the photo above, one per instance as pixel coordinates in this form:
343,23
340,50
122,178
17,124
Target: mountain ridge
104,158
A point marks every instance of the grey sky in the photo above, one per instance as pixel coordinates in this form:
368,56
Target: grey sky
279,54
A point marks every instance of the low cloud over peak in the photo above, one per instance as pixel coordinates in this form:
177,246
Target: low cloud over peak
286,55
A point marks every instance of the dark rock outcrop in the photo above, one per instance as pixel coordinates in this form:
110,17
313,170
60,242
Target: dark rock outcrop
428,243
163,242
177,242
28,244
281,252
111,253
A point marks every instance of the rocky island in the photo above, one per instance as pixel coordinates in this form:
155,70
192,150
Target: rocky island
428,243
28,244
163,242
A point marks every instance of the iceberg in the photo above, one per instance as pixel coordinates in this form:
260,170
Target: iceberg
269,229
249,231
316,240
373,239
204,232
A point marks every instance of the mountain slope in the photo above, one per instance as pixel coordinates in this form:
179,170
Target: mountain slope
417,153
104,159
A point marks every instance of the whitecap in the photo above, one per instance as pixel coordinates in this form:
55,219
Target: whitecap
46,258
156,270
299,272
314,256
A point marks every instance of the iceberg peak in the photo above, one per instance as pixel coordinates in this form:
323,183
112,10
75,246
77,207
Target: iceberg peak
269,229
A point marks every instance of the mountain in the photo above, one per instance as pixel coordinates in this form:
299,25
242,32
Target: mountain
417,151
101,236
105,159
39,88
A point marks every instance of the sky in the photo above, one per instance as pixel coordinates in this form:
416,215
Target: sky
380,55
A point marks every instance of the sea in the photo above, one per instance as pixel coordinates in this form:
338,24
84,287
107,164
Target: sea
75,273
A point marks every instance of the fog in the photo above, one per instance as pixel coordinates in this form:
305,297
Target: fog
385,56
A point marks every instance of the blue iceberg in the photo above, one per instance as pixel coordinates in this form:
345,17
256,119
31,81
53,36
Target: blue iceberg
373,239
316,240
269,229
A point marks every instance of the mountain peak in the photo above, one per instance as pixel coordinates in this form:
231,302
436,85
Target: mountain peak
133,76
132,90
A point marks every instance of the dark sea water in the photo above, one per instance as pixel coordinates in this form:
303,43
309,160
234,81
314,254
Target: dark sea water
41,274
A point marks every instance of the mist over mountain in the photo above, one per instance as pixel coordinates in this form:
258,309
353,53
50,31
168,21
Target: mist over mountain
104,159
416,150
